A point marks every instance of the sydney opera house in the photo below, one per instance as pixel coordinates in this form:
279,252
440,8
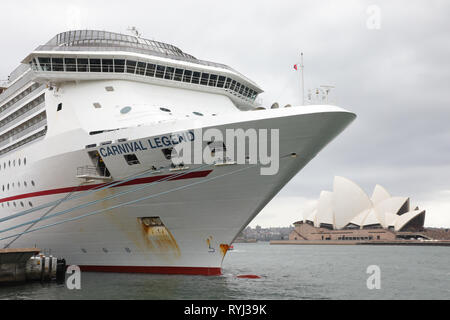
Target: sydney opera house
349,214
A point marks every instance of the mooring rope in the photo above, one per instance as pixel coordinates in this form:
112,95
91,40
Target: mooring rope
130,202
88,204
92,191
125,203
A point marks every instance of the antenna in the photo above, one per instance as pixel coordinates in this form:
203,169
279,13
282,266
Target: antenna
303,81
327,90
134,31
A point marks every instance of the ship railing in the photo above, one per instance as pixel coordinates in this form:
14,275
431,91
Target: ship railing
92,172
4,84
186,58
16,86
131,67
15,121
23,133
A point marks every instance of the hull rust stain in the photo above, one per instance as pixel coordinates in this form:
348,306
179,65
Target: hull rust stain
158,238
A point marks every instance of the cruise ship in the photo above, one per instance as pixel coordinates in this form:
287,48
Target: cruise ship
88,123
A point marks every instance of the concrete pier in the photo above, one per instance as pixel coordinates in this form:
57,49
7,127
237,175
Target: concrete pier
444,243
13,264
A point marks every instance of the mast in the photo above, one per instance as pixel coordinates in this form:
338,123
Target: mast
303,80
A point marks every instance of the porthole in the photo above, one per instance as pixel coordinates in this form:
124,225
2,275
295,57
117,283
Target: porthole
32,183
165,110
125,110
198,114
30,204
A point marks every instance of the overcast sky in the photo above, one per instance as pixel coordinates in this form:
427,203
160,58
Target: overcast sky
393,72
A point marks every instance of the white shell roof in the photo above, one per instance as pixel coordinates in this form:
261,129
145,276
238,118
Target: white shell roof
405,218
360,218
325,212
348,201
379,194
372,218
392,205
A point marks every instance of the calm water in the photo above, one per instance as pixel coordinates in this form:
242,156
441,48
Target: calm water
288,272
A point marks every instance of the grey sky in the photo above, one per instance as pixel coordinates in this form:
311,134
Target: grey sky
396,79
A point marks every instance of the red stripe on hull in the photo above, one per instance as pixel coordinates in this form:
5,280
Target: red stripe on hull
192,175
202,271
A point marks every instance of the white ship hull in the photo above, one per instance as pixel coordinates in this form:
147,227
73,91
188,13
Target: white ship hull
87,91
199,218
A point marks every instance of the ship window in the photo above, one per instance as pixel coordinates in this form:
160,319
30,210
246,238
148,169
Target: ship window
160,71
227,84
71,64
95,65
140,68
131,66
57,64
59,107
233,84
238,86
205,77
198,114
150,72
196,78
178,74
221,81
187,76
97,105
82,65
164,109
168,153
213,80
169,73
125,110
119,65
131,159
107,65
45,64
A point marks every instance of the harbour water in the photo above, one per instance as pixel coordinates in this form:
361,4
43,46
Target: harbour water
287,273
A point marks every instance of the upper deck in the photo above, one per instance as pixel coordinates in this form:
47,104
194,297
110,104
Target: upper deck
64,58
